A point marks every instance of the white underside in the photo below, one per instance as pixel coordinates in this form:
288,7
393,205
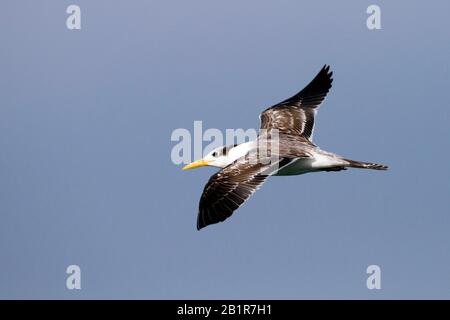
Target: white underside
301,165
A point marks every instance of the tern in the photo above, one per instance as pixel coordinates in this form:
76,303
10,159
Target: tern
244,170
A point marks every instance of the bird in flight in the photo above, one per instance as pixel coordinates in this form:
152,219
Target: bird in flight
244,168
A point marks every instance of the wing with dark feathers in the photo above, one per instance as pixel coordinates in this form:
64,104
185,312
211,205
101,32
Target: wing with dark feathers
228,189
295,115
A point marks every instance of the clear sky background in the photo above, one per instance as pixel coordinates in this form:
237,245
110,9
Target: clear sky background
86,176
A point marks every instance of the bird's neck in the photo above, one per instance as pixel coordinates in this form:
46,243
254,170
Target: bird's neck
239,151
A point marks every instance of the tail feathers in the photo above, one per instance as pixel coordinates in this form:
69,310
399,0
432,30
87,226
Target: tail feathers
366,165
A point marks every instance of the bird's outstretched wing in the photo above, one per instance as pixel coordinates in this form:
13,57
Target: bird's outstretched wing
229,188
295,115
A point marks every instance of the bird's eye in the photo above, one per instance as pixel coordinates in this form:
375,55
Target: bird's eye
214,154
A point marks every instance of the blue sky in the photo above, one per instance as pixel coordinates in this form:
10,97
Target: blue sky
86,176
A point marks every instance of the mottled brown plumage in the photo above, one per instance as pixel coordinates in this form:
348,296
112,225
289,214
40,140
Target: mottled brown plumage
295,116
286,138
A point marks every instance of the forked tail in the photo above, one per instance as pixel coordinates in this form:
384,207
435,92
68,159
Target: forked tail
365,165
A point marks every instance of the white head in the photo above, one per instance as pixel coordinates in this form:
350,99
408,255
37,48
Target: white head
219,157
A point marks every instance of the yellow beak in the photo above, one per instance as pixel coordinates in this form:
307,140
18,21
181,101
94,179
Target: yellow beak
196,164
